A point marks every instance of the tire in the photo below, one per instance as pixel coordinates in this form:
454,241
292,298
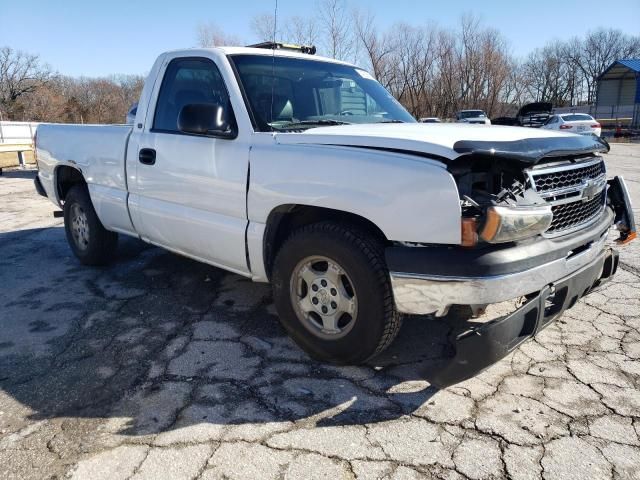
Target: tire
363,289
87,237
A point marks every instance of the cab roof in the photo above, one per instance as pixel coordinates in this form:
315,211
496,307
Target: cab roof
229,50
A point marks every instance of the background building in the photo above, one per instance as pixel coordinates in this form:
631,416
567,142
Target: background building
618,97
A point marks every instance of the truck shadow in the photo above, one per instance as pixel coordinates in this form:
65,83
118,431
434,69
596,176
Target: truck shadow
166,343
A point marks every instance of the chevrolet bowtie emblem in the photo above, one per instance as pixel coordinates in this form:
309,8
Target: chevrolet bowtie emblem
590,189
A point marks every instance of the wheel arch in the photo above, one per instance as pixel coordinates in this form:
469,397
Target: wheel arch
284,219
66,177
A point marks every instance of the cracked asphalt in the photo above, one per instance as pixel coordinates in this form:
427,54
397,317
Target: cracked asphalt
158,367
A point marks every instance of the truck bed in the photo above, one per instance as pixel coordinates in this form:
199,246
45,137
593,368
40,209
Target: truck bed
98,151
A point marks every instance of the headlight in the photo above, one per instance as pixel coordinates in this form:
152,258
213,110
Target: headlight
507,224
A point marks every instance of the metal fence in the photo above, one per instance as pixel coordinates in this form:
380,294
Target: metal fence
16,139
19,133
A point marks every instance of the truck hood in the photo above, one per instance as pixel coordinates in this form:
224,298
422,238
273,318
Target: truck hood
447,142
536,107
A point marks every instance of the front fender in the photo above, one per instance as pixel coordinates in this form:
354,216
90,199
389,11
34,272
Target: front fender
408,198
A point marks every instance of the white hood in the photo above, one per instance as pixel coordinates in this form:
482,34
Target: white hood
428,138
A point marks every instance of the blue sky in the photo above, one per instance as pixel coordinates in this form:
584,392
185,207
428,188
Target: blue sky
96,38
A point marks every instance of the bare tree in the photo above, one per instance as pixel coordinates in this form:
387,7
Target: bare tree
514,91
296,29
81,100
20,73
337,29
378,47
129,86
552,76
46,105
263,27
210,35
413,61
302,31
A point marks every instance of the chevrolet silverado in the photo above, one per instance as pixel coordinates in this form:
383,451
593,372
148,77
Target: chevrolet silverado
305,172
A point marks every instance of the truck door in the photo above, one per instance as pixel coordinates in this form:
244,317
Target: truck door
188,191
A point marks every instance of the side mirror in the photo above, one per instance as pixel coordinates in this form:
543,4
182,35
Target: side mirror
206,119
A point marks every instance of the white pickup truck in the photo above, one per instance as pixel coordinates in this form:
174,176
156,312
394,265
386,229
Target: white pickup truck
305,172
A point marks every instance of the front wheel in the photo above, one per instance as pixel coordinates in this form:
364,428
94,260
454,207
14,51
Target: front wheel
87,237
333,294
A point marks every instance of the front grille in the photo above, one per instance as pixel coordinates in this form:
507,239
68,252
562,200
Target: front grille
576,192
568,215
546,182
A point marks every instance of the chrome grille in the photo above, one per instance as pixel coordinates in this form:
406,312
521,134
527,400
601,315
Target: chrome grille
546,182
567,215
576,193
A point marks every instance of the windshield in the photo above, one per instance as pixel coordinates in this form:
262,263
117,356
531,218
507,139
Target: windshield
472,114
294,93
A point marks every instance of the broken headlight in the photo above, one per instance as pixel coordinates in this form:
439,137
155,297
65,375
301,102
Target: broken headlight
508,224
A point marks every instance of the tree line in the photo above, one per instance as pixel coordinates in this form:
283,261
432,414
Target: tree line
435,71
31,91
431,70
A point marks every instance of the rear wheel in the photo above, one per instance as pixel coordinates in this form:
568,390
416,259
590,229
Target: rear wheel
87,237
333,295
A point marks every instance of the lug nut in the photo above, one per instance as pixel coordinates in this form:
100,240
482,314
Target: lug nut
314,300
323,283
334,292
324,310
334,305
314,287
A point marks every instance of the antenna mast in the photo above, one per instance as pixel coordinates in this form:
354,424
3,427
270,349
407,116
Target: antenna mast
273,58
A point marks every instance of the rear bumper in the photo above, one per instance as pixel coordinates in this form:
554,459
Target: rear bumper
478,347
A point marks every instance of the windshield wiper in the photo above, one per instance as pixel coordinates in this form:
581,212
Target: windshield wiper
392,121
312,123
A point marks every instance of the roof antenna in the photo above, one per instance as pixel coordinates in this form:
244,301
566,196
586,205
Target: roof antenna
273,59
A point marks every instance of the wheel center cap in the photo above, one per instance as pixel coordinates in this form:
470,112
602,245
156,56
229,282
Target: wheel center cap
323,296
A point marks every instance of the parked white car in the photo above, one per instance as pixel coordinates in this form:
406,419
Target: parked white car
305,172
473,117
580,123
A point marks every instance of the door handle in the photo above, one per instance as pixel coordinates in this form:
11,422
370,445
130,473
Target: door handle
147,156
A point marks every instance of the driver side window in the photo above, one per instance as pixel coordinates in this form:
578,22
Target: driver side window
187,81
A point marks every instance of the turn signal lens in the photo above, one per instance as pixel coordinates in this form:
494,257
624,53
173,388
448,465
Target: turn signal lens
507,224
565,127
469,231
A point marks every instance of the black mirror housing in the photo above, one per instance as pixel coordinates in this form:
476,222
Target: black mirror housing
207,119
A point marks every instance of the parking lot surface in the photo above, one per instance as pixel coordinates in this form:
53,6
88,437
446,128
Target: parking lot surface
159,367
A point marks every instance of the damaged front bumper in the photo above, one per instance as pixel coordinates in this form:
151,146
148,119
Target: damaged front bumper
481,345
539,279
445,276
